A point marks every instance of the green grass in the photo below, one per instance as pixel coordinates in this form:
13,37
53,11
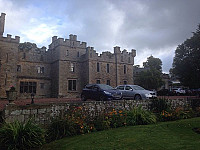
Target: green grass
166,135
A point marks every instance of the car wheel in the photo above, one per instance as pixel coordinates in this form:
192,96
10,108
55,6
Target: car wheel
138,97
83,98
102,98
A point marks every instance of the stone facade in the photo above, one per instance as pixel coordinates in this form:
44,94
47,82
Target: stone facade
62,70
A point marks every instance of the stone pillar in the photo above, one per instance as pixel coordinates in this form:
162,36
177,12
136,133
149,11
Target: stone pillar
2,23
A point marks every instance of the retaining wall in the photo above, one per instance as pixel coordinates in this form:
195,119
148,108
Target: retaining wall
43,113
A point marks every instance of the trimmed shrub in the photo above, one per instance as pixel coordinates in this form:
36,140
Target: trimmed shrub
139,116
21,136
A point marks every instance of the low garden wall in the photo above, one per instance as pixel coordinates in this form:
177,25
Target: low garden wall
43,113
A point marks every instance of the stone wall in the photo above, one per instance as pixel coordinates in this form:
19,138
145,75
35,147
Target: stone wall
42,114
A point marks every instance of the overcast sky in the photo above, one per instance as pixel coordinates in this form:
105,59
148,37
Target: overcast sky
152,27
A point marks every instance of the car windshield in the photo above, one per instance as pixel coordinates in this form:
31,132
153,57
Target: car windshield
136,87
105,87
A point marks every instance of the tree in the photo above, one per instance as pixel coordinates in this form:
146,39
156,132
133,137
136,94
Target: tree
153,63
151,78
186,63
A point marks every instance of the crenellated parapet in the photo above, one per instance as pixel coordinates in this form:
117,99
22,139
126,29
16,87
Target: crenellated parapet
118,55
71,42
10,39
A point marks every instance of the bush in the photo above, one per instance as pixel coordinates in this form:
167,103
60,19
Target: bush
158,105
117,118
101,122
139,116
57,129
21,136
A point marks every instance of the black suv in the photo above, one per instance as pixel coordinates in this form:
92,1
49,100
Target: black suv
100,92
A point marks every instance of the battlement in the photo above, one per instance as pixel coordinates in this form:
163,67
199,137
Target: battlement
10,39
71,42
122,56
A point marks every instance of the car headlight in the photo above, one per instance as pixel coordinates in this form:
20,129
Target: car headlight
148,95
108,93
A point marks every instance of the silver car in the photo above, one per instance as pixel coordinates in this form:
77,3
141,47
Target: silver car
135,92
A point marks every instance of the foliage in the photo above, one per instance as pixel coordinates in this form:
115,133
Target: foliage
153,63
101,122
117,118
12,88
166,135
151,78
139,116
178,113
159,105
21,136
186,63
58,129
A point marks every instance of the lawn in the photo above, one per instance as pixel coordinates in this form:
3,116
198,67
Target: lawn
166,135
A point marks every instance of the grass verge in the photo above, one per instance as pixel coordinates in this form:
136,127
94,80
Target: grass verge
165,135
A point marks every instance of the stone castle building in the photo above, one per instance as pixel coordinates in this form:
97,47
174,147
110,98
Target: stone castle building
62,70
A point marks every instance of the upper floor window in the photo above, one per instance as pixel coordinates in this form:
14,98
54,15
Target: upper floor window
108,68
78,54
18,68
72,67
124,69
41,58
24,56
40,69
67,52
98,67
122,58
41,85
129,60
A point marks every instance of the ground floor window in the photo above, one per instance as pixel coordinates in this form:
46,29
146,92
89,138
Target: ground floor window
72,85
108,82
98,81
125,82
28,87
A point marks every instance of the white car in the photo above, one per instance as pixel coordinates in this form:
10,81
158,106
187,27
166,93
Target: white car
178,91
136,92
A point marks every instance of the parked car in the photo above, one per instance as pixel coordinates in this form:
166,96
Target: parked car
136,92
178,91
100,92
